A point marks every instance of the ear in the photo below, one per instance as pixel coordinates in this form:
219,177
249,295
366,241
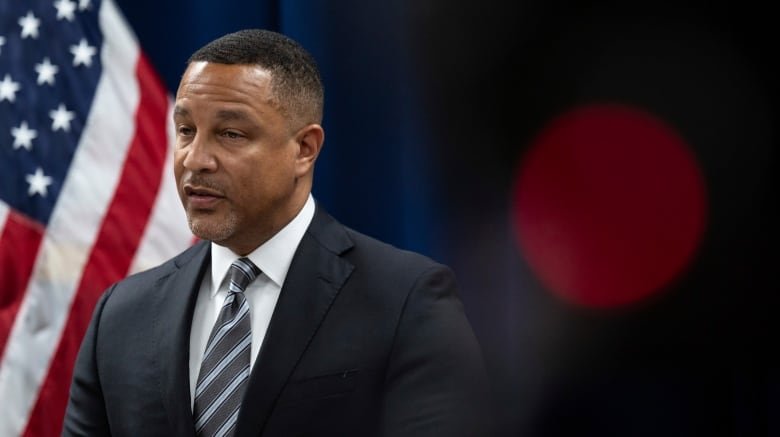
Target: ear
310,139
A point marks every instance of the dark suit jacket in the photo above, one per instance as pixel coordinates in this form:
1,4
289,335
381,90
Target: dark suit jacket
365,340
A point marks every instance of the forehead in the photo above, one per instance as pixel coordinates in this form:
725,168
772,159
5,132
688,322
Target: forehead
220,85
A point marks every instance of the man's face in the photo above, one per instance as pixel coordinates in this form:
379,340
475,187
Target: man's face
236,156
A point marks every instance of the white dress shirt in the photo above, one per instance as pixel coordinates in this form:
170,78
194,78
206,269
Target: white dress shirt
273,258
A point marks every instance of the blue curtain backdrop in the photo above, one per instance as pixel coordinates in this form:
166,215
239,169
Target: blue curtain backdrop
433,106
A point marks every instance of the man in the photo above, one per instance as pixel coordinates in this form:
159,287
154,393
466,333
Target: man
281,321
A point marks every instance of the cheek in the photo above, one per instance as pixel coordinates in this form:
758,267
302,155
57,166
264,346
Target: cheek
178,158
268,181
176,171
178,164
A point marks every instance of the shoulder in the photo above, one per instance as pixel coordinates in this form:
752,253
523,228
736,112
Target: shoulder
373,250
393,271
167,267
134,302
148,279
375,262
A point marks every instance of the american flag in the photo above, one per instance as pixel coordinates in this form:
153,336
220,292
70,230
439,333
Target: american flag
86,190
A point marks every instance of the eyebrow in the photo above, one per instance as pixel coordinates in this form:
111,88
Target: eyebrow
230,114
223,114
178,111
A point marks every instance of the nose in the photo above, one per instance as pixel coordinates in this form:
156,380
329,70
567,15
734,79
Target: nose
199,156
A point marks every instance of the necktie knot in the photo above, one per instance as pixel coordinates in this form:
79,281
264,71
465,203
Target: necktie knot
241,273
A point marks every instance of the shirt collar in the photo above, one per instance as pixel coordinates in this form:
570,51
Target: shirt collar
272,257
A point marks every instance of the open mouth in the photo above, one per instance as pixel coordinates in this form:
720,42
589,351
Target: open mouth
202,197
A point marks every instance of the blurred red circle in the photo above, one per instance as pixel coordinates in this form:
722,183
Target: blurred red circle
609,205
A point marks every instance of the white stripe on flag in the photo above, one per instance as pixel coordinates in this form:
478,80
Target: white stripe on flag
3,217
167,232
84,199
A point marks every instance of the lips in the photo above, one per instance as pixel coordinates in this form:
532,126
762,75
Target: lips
200,197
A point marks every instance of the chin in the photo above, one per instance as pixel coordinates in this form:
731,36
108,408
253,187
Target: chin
215,230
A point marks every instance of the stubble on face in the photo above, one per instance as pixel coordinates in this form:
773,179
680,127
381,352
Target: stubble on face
201,222
211,230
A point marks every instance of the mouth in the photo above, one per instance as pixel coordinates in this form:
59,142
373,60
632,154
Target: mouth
202,197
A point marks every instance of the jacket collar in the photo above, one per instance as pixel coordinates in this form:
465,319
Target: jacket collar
176,297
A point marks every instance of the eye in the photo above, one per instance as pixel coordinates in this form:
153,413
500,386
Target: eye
183,130
232,135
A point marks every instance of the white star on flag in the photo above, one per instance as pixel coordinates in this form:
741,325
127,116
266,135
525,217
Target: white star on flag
29,25
65,9
82,53
46,71
2,43
39,183
8,89
84,5
61,118
23,136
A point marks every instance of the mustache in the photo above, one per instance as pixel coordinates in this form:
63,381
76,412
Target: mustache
203,182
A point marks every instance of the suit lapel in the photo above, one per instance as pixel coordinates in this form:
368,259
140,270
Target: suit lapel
176,297
316,275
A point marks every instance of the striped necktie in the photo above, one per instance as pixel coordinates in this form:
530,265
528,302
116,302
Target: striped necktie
224,371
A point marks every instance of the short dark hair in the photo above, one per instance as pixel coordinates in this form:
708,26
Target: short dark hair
295,78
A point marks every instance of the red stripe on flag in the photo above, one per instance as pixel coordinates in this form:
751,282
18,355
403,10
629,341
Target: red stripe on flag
117,241
19,245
